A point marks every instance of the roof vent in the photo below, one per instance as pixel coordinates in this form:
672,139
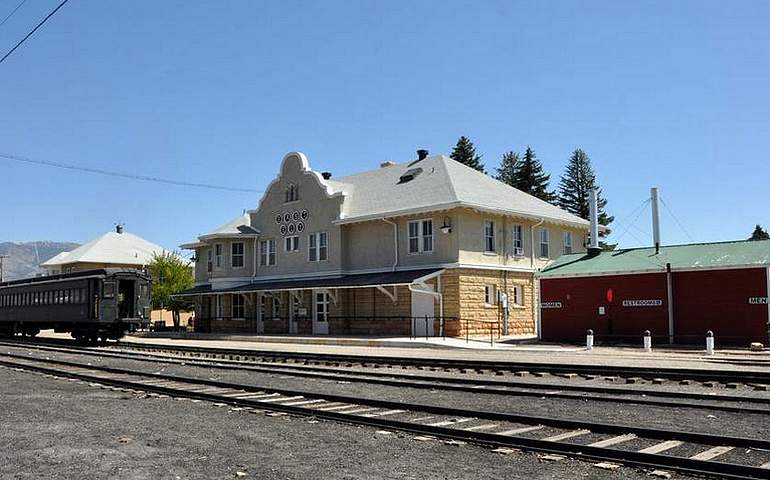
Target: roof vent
119,228
326,175
422,154
410,175
387,164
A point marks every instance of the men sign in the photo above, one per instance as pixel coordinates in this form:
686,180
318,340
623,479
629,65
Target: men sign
757,300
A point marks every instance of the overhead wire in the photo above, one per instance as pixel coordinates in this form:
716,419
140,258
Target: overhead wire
12,12
676,219
53,12
638,211
110,173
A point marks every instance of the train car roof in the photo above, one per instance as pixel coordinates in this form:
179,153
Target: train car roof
74,275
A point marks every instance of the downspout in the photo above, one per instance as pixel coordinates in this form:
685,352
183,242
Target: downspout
532,239
254,270
395,242
535,298
670,294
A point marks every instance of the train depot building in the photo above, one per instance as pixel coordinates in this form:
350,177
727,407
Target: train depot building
678,293
424,247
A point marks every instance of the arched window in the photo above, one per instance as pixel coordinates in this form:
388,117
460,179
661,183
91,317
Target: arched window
292,194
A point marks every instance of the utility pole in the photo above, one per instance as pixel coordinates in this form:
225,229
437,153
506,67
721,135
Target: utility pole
2,257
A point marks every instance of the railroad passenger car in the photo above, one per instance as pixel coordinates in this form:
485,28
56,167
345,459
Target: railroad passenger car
91,305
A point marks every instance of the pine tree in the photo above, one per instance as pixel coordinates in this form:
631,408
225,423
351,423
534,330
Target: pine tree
759,234
509,165
531,178
578,179
465,153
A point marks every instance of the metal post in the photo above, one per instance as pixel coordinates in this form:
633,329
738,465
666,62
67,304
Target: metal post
589,340
426,327
647,341
655,219
491,335
443,329
467,332
709,343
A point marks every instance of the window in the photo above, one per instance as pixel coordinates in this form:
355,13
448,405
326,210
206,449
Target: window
267,252
238,307
292,244
544,241
218,254
421,236
318,247
210,262
236,254
489,294
518,240
567,242
489,236
276,307
292,193
518,295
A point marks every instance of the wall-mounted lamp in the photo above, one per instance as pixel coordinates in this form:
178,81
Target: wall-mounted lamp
193,259
447,226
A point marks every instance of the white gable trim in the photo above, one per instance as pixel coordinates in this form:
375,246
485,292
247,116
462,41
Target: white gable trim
304,168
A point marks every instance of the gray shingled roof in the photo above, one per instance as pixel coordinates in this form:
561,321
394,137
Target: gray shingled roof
442,183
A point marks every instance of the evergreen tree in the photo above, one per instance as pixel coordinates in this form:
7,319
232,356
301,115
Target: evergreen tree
759,234
531,178
465,153
509,165
578,179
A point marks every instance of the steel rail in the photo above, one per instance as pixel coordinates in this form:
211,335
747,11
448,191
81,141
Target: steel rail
453,384
689,465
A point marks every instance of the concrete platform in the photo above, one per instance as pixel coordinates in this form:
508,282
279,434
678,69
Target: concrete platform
456,349
506,342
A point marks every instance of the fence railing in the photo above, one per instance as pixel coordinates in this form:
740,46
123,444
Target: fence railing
360,325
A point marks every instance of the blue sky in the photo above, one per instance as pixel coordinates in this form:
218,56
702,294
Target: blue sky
659,93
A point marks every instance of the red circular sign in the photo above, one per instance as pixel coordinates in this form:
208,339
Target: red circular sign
610,295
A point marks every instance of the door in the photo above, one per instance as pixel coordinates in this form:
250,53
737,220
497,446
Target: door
320,313
422,309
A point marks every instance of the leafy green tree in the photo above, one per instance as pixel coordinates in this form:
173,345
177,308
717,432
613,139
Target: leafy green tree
465,153
170,275
509,164
578,179
531,178
759,234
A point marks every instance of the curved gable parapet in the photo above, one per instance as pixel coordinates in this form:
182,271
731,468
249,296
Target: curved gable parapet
297,162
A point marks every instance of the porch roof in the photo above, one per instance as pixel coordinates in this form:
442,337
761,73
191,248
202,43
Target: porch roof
401,277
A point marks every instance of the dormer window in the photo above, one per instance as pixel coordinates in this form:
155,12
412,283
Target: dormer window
292,193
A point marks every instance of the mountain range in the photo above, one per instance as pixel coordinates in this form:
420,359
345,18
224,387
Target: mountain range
23,258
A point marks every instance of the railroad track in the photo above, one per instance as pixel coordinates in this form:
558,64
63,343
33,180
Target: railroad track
694,453
662,398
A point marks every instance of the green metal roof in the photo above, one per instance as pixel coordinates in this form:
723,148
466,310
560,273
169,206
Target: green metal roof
681,257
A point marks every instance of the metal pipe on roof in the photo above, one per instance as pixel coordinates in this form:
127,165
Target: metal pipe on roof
593,213
655,219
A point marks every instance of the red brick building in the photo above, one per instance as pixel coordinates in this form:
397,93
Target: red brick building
678,294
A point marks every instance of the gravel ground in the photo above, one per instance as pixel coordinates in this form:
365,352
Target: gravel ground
68,430
686,419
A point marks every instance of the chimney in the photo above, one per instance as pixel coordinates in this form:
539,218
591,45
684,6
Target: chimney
119,228
422,154
655,219
326,175
593,209
387,163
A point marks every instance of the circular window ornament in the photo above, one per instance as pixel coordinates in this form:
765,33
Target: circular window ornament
278,218
287,217
304,214
292,228
295,215
283,229
300,227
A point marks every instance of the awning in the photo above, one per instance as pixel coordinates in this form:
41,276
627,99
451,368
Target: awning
360,280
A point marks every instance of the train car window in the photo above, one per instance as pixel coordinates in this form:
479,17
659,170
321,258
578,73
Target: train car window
109,290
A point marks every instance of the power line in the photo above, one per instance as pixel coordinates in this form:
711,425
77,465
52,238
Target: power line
33,30
638,210
109,173
12,12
